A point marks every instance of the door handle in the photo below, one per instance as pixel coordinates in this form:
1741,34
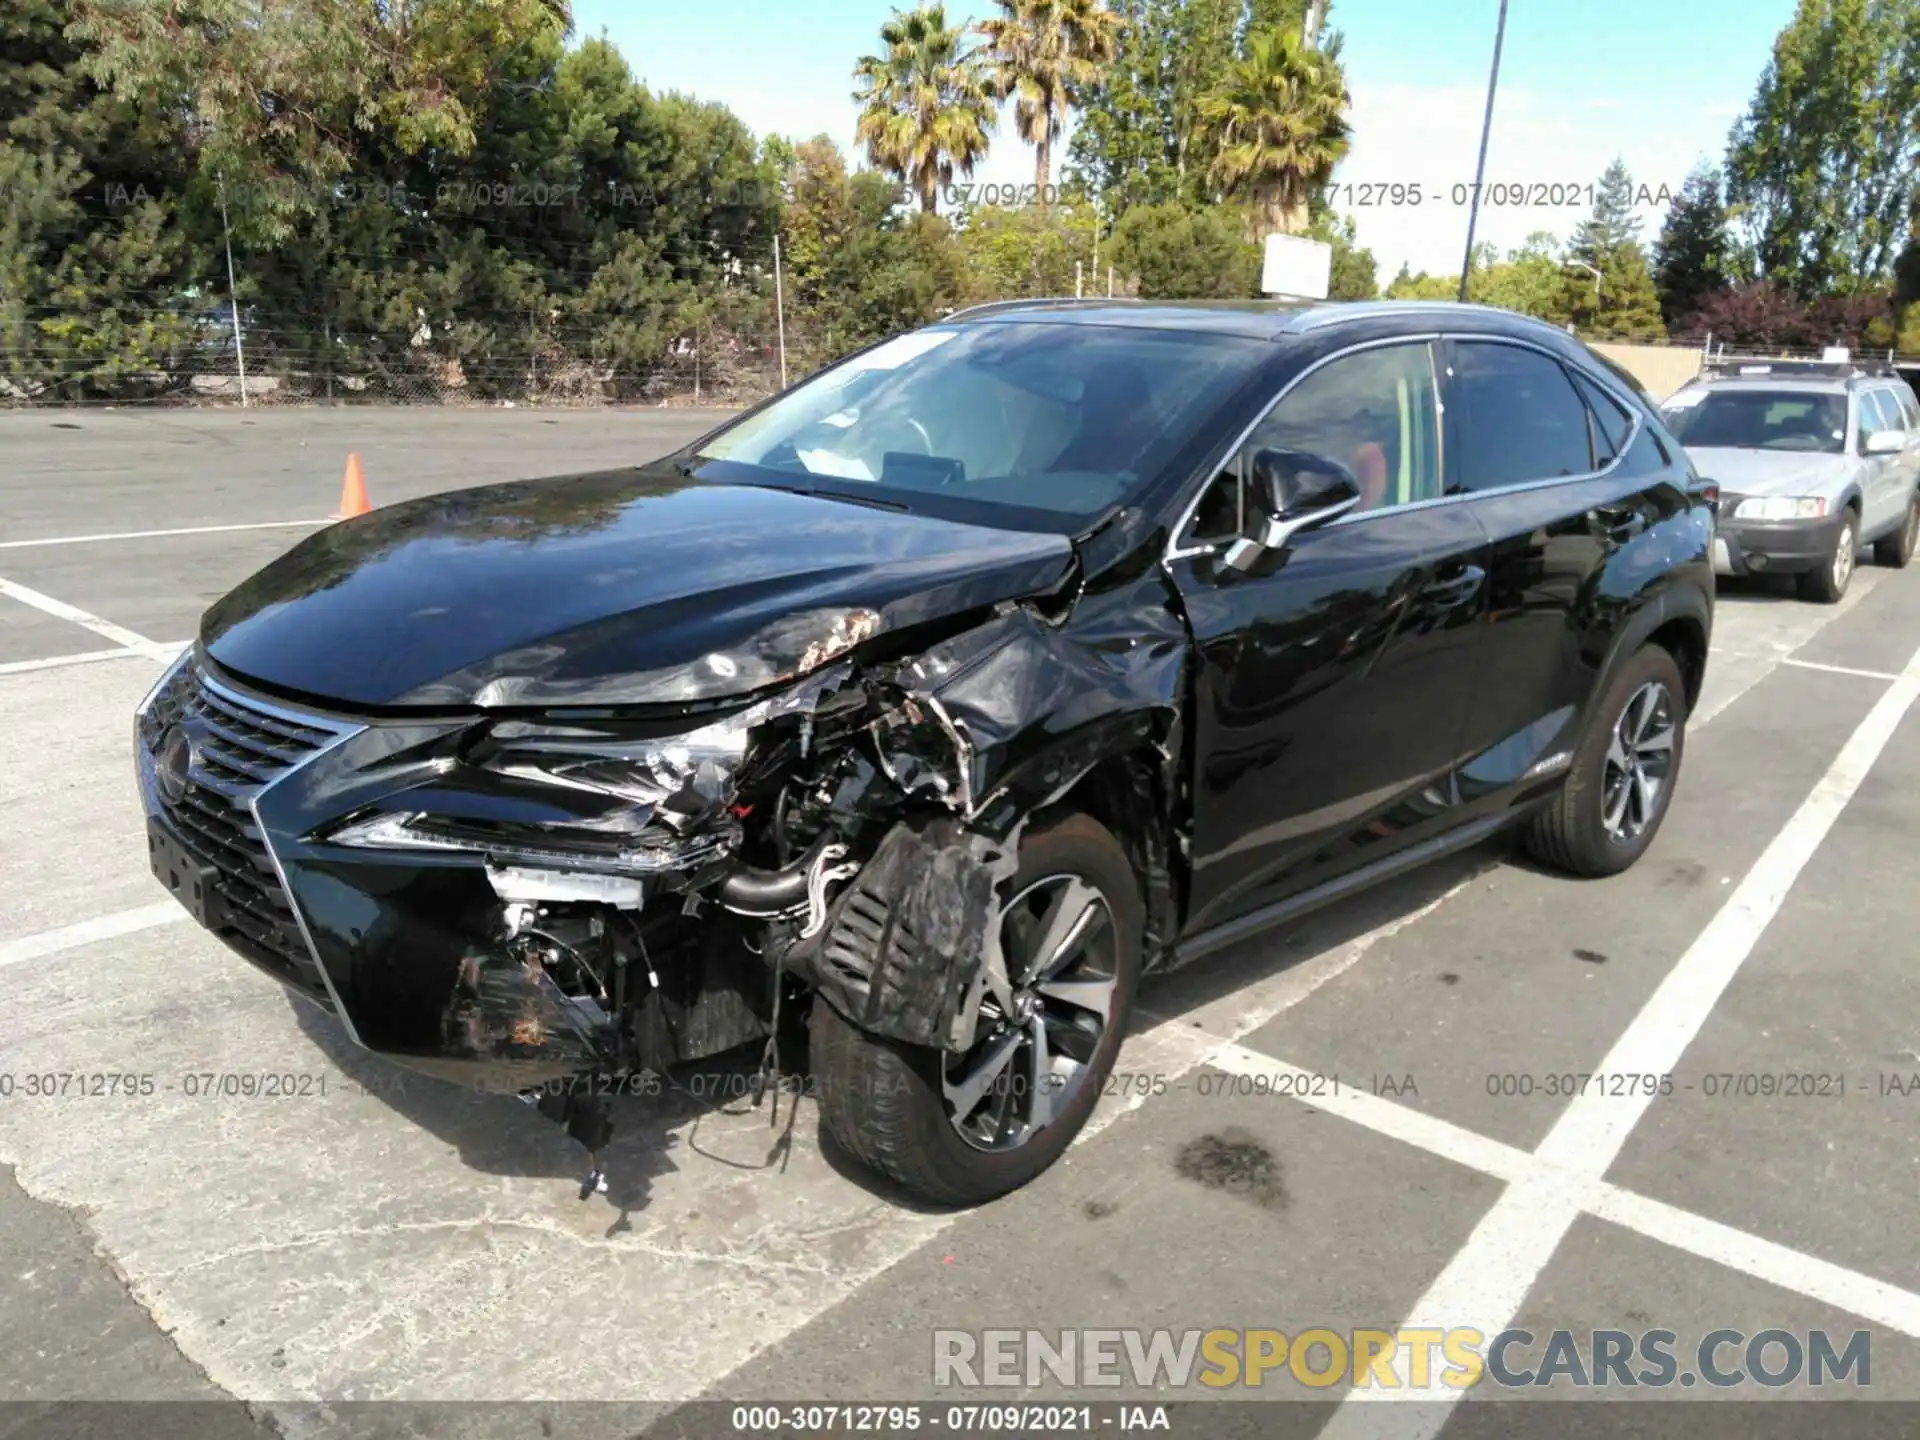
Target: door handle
1458,586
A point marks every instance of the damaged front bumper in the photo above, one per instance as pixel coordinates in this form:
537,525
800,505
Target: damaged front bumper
510,899
409,952
496,913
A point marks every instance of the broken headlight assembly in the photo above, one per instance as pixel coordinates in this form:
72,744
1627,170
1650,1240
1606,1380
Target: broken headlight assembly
784,649
583,796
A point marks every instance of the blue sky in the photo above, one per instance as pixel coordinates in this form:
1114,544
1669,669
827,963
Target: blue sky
1651,81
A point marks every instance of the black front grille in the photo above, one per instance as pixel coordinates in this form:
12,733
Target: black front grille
237,749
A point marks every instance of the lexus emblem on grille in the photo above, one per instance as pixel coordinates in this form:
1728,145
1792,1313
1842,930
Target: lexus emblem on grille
172,761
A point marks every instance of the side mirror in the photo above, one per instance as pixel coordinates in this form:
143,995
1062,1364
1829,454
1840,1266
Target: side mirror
1885,442
1302,491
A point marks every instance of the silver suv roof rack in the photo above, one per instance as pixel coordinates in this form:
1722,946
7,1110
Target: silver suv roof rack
1733,367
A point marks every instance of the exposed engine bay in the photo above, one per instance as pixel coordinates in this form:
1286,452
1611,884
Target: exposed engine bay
844,837
604,853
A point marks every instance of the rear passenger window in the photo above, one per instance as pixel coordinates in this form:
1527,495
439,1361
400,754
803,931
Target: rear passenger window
1909,408
1611,424
1519,418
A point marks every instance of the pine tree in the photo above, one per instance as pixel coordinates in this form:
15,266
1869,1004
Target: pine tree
1621,302
1690,257
1612,223
1630,308
1122,150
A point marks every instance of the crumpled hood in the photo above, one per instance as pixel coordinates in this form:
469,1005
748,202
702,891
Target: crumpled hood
628,586
1770,472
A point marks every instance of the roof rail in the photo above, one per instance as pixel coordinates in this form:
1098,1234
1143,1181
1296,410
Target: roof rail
1838,370
995,307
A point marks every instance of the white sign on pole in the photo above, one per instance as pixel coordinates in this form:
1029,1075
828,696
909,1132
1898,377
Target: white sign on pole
1296,267
1837,355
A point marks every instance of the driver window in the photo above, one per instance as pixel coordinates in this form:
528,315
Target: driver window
1375,412
1883,413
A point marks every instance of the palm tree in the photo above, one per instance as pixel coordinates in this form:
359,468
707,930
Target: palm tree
1041,52
1277,126
927,106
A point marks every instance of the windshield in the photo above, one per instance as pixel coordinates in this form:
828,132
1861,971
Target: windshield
1060,420
1759,420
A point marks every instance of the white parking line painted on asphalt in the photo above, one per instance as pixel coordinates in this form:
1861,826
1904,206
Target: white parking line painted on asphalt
56,662
106,629
1386,1117
162,650
157,534
1489,1278
1862,1295
1591,1130
1776,647
89,932
1245,1011
1793,1270
1840,669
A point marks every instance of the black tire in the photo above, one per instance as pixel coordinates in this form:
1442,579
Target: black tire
885,1103
1571,832
1896,550
1828,581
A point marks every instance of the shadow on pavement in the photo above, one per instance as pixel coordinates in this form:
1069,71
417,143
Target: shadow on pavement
502,1135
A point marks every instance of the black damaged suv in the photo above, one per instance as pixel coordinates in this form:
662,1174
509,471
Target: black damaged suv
942,698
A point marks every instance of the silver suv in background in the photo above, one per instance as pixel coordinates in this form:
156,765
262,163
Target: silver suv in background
1812,462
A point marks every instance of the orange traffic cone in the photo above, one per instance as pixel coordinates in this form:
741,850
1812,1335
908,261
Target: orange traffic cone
353,492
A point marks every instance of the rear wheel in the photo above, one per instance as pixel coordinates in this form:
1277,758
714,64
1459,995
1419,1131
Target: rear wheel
959,1129
1827,581
1896,550
1621,781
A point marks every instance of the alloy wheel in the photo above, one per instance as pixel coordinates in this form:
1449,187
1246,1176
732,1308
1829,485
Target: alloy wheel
1031,1056
1639,762
1843,550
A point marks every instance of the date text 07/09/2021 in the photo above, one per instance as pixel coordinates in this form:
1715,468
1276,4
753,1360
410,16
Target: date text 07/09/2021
1512,194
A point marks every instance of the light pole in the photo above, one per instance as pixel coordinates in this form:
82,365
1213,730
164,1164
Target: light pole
1480,170
1582,265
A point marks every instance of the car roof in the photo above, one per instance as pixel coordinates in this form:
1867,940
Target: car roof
1835,378
1260,319
1796,384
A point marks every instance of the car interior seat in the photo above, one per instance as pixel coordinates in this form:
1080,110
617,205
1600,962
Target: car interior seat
1369,465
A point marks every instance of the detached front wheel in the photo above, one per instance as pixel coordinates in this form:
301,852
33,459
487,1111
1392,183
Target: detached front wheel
959,1129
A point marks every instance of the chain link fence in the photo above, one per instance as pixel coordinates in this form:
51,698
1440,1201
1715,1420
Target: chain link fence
202,364
196,361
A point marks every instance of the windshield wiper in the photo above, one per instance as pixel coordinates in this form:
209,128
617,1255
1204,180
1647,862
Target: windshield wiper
845,498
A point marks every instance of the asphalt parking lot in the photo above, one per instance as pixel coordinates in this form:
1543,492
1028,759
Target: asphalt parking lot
397,1240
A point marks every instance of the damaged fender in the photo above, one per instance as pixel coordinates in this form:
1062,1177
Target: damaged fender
915,938
998,724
